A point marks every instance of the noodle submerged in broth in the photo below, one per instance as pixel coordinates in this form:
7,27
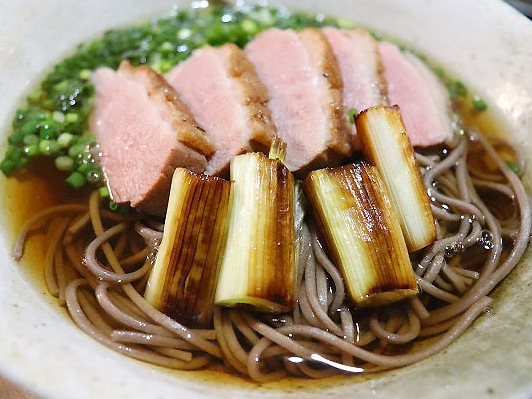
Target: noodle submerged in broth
97,264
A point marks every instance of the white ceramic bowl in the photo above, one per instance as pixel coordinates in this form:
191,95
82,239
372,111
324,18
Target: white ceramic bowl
486,43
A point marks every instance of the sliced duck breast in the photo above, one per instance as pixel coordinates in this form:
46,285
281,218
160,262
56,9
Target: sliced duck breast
360,63
424,102
222,90
144,133
303,80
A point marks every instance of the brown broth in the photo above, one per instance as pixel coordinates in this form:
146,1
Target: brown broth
37,188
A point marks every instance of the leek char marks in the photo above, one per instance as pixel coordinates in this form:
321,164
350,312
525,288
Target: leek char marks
284,241
380,228
195,255
284,222
358,182
214,226
362,233
383,229
215,245
270,241
185,256
259,262
179,240
368,216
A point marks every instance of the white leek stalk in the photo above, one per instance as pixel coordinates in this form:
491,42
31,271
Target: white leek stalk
386,145
361,233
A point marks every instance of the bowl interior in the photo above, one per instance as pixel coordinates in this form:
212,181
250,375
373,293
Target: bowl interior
44,352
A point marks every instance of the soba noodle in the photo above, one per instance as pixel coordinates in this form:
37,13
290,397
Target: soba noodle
478,245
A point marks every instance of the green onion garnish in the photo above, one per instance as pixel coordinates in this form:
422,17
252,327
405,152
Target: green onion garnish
76,180
351,114
479,103
514,167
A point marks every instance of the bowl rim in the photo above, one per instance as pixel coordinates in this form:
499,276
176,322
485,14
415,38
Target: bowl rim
506,87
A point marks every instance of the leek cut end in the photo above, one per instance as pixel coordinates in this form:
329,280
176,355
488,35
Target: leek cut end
256,303
385,143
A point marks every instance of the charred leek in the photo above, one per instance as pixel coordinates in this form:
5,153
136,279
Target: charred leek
183,281
385,143
361,233
259,263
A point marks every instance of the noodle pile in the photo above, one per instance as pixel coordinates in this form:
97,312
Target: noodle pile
479,242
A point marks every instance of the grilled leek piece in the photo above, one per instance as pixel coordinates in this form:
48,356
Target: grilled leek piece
361,233
183,281
259,268
386,145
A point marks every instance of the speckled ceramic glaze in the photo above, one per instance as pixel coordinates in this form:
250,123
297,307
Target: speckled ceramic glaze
486,43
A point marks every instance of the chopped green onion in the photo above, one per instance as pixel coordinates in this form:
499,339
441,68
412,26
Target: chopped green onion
87,139
13,152
345,23
58,116
64,163
71,117
104,192
377,35
166,46
49,147
351,114
438,70
85,74
49,129
264,16
36,95
479,103
19,118
87,156
31,150
84,168
249,26
456,89
76,180
30,139
184,34
8,166
64,139
514,167
76,150
165,66
22,162
44,147
29,128
15,138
